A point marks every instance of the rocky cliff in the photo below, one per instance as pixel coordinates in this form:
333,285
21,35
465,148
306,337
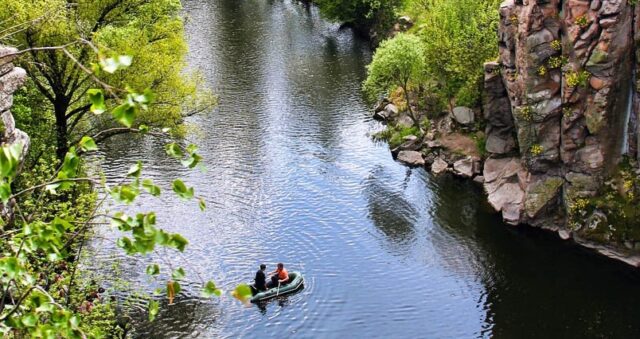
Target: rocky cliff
561,108
11,78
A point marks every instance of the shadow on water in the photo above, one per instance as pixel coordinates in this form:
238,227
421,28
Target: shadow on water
396,224
536,284
177,320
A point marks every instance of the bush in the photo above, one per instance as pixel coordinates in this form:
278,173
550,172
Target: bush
459,36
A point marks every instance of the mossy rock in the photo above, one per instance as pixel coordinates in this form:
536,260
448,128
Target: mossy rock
540,194
526,138
595,118
597,57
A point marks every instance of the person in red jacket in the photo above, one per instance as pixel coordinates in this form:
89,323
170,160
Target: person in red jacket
279,277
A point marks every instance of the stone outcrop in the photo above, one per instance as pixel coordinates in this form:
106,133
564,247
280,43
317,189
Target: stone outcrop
463,115
561,108
563,90
411,158
11,78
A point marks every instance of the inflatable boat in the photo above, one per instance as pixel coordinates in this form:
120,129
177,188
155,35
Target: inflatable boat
296,283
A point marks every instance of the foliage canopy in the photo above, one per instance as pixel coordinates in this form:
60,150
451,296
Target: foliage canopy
150,31
459,36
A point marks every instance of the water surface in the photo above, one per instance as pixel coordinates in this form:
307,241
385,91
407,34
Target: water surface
293,176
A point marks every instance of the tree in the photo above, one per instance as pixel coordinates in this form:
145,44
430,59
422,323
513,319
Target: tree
458,37
396,63
95,33
35,250
360,13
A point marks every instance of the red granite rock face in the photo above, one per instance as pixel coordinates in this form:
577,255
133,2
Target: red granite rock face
567,68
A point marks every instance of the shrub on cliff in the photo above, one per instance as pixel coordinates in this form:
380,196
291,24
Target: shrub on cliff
459,36
396,63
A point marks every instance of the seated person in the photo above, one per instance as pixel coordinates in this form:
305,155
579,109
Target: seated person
279,277
261,279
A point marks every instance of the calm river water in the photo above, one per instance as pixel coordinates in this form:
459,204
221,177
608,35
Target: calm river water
293,175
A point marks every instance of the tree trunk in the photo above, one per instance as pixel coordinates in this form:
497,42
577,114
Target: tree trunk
60,107
406,97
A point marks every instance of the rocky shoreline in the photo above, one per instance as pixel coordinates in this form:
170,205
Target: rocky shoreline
448,147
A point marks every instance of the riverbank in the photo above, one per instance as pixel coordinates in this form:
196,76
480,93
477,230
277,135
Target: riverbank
554,146
451,147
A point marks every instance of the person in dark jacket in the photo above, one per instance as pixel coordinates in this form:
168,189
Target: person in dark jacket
261,279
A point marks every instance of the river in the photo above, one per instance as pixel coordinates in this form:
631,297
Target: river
294,176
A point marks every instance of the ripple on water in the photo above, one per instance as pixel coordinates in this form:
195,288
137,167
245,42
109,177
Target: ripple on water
293,176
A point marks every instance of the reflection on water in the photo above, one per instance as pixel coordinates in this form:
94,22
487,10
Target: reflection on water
293,176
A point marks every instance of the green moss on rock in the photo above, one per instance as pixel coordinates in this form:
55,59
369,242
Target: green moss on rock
540,194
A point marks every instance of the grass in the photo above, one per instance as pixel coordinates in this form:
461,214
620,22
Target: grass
395,135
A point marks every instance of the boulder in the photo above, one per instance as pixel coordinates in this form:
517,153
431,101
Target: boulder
405,21
404,121
564,234
411,158
411,143
500,145
463,115
391,110
381,105
542,193
433,144
439,166
502,182
385,111
464,167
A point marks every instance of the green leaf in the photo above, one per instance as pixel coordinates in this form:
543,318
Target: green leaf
153,269
135,170
143,129
178,274
191,148
96,96
74,321
181,190
124,193
192,161
178,242
10,266
154,309
242,292
69,167
174,150
148,185
125,114
29,320
202,204
87,144
9,160
5,192
145,98
210,289
126,244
